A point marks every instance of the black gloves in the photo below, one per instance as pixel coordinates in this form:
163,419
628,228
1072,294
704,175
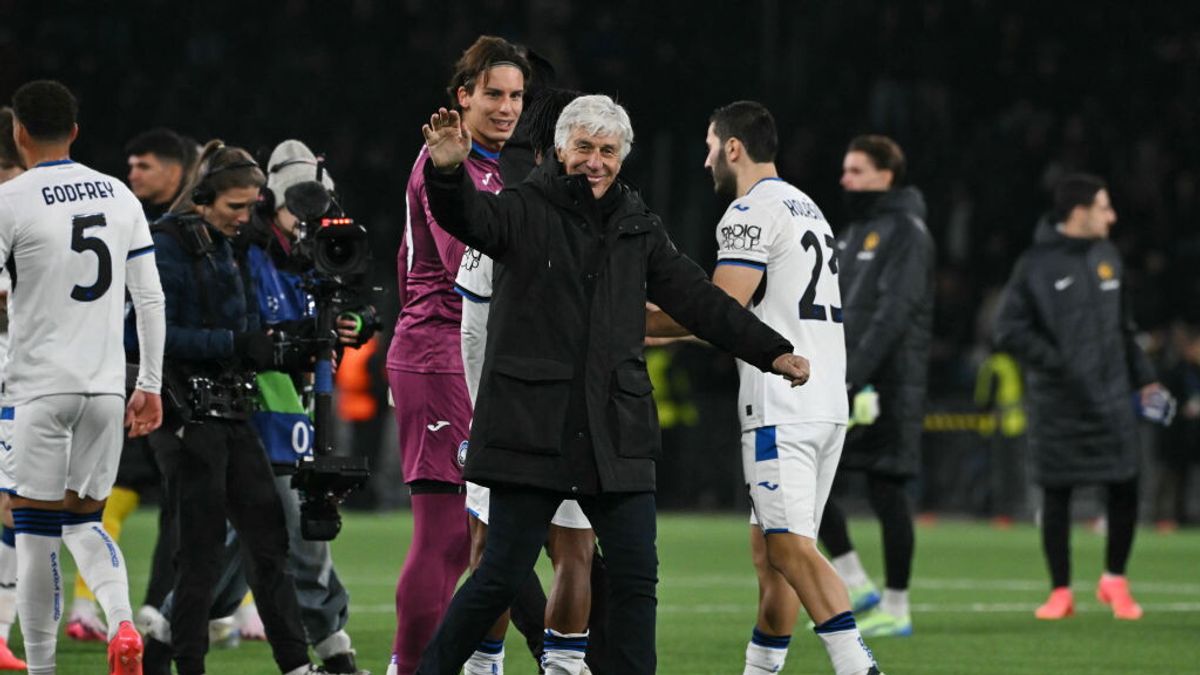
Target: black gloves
256,349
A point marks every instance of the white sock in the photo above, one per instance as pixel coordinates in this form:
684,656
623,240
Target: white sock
337,643
895,602
766,653
100,564
40,591
847,651
302,670
564,652
488,659
850,569
8,583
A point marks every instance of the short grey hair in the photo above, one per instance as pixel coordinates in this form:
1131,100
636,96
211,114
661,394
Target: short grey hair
597,114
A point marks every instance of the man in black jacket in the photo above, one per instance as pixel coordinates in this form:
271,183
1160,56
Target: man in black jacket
1065,317
886,259
564,406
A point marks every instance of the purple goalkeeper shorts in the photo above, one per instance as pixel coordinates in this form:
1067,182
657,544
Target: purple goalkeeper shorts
433,420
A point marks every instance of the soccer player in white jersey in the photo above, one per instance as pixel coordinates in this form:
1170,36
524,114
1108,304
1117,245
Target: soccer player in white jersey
73,240
776,255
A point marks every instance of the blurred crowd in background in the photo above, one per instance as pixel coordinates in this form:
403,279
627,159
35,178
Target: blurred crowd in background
991,100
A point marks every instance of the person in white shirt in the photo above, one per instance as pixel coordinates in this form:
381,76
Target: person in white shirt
776,255
73,240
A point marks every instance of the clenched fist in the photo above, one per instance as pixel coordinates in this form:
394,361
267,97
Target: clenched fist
793,367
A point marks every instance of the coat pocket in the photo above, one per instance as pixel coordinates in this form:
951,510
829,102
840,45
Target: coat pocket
528,404
635,415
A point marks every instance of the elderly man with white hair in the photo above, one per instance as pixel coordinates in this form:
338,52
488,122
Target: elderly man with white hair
564,407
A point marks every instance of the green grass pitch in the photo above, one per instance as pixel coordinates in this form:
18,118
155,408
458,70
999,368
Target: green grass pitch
973,594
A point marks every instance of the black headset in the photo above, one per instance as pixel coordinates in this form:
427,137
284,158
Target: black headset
204,194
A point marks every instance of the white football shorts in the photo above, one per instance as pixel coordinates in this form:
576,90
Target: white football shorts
789,472
568,515
62,442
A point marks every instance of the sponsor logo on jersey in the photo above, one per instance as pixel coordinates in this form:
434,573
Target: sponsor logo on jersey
769,485
1063,283
741,207
471,259
461,457
871,242
739,237
438,425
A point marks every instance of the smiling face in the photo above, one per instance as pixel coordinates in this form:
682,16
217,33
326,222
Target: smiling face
490,110
595,156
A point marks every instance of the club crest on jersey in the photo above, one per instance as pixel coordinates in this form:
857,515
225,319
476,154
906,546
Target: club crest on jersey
1108,280
739,237
869,245
461,457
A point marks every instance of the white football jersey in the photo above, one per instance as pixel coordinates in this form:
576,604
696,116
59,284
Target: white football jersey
67,236
777,229
474,284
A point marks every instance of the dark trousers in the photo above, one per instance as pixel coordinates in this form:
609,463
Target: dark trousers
223,474
520,517
1122,510
889,501
165,447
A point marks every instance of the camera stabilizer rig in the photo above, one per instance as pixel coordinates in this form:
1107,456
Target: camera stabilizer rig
337,250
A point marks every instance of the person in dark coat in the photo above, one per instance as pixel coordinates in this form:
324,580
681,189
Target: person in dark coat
886,258
564,407
1065,317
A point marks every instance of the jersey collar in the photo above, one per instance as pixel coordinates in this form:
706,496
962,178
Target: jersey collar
484,151
760,181
54,162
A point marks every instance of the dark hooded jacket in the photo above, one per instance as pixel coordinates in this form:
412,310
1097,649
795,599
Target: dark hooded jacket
1066,318
886,258
564,399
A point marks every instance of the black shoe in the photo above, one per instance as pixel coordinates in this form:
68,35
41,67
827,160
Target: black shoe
156,659
874,671
343,664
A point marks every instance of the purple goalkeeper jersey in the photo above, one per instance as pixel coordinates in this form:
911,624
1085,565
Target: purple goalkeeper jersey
426,339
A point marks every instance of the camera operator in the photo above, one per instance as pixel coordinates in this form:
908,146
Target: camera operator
265,247
215,344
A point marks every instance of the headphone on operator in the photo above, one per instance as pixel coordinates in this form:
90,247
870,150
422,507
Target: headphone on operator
204,194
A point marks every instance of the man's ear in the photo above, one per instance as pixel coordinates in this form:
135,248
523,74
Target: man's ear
74,133
733,149
464,98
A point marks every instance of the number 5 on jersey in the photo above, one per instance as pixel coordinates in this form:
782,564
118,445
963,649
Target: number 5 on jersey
808,307
82,243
